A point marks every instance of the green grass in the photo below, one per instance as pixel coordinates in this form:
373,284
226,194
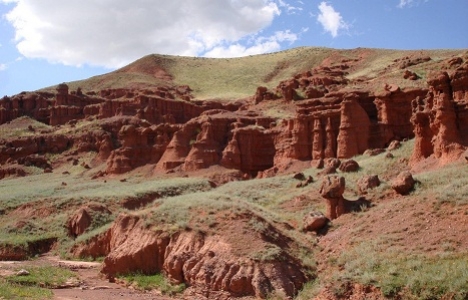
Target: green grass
18,292
46,192
416,276
19,128
268,254
234,78
154,282
42,186
209,78
448,184
308,291
88,235
177,213
46,277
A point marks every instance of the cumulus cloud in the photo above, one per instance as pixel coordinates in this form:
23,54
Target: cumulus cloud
113,33
331,20
257,46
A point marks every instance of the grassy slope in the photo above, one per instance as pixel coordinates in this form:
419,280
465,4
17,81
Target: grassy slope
274,200
233,78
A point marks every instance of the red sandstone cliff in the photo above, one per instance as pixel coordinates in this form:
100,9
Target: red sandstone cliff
170,130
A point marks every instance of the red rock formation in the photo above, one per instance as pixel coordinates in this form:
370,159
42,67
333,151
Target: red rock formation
15,148
353,138
63,114
436,119
140,146
292,140
179,147
205,150
404,183
12,171
205,262
368,182
394,114
256,149
349,165
318,137
314,221
231,157
79,222
330,138
288,89
332,189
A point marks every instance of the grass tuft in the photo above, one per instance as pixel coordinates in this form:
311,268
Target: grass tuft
151,282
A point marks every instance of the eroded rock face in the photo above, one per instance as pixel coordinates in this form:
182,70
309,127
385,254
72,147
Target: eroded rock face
12,171
353,138
438,118
20,148
83,217
176,132
205,262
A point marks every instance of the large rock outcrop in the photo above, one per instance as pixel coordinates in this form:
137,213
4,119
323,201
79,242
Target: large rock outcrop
333,118
438,119
203,262
353,138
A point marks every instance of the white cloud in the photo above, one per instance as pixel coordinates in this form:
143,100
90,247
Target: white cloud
113,33
257,46
3,67
330,19
409,3
291,9
403,3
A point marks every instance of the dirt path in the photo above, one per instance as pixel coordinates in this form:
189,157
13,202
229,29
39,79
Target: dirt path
90,285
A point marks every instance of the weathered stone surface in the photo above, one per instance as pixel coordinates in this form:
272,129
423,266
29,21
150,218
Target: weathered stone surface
187,257
332,189
314,221
404,183
394,145
437,118
374,152
394,113
349,165
353,138
79,222
12,171
368,182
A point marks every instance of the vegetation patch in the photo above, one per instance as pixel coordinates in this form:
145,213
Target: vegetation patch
45,277
153,282
36,284
16,292
396,273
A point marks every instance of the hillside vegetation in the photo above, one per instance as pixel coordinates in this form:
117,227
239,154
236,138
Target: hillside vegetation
234,78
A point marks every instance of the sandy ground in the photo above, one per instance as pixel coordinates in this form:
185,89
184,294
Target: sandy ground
90,284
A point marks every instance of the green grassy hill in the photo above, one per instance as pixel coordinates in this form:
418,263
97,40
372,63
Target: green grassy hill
234,78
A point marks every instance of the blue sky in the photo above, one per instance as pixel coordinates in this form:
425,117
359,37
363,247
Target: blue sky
47,42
